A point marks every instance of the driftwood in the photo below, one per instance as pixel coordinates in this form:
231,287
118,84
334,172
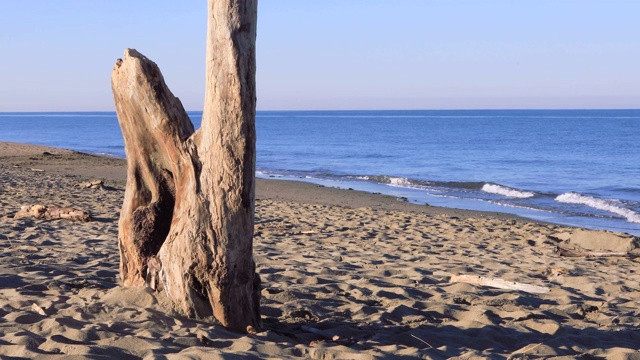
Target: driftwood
38,309
53,212
499,283
153,274
422,341
576,253
93,184
187,219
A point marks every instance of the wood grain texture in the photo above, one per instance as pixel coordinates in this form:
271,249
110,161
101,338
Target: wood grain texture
189,202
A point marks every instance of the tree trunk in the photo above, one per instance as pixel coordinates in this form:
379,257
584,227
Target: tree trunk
186,225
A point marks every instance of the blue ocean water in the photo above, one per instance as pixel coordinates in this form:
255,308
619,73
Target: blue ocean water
574,167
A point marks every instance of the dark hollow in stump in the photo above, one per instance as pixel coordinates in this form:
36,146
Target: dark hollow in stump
186,224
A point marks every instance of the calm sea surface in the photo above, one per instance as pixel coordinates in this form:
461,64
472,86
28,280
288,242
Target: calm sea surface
575,167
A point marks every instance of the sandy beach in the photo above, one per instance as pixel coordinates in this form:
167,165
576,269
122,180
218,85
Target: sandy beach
345,275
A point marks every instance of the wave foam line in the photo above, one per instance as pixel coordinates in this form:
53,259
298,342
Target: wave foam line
389,180
402,183
609,205
509,192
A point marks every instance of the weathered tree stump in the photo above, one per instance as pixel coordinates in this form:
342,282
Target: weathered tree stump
186,224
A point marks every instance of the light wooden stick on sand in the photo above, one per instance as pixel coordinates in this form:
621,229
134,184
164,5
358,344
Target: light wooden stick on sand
499,283
576,253
53,212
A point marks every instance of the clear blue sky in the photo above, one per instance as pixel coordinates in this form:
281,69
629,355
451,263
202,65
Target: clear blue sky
336,54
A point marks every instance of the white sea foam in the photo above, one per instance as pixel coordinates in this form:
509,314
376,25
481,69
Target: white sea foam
389,180
108,154
268,174
399,182
609,205
405,183
503,190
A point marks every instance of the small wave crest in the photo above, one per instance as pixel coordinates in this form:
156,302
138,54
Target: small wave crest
383,179
396,181
270,174
609,205
400,182
428,185
506,191
109,154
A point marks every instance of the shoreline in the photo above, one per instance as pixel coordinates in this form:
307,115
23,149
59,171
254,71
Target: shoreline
345,275
546,186
108,167
114,169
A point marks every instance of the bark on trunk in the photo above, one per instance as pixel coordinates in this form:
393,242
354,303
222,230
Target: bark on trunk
186,224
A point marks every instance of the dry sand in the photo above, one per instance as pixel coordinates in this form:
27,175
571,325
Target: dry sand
369,270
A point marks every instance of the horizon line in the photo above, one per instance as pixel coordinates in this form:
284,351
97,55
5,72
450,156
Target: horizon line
292,110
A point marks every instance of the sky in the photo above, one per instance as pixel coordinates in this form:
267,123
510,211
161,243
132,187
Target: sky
335,54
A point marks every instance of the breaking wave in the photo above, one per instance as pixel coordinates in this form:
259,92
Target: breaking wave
395,181
506,191
610,205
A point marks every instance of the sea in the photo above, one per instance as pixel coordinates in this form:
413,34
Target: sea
570,167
